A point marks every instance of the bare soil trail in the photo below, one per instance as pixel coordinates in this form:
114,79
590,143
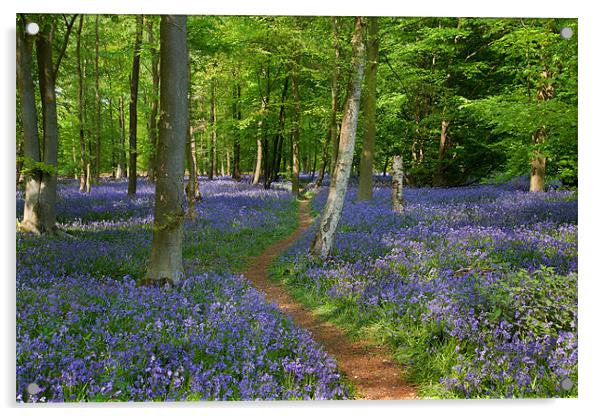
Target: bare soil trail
368,365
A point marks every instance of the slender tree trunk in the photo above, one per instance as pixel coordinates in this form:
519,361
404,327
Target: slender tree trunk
295,137
439,179
272,161
132,179
31,143
257,172
193,193
165,263
237,113
324,159
152,119
258,161
315,160
19,159
121,169
97,164
367,161
213,137
538,162
324,239
385,165
112,130
397,184
334,92
83,159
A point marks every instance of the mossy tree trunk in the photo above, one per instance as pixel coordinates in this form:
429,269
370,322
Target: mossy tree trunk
165,263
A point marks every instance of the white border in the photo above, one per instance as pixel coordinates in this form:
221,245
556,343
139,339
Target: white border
590,151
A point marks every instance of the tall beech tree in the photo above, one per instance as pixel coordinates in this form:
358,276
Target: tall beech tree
324,239
154,106
84,158
332,137
165,263
29,120
134,81
97,165
367,161
40,161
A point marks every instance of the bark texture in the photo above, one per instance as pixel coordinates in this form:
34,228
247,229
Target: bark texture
213,137
295,137
97,165
237,113
538,161
83,156
122,161
47,196
29,119
367,160
154,106
397,184
323,242
132,179
165,263
334,91
259,158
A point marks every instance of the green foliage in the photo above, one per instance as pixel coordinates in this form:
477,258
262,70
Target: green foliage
480,75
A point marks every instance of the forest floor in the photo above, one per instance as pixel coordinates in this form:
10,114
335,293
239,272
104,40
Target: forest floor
366,364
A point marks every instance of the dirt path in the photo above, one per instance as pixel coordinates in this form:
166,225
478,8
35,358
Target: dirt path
368,365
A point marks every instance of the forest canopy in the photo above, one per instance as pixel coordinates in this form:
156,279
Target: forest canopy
463,100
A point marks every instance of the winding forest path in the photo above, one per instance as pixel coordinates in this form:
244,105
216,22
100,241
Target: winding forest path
367,365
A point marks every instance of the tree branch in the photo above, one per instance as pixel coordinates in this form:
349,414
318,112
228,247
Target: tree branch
59,57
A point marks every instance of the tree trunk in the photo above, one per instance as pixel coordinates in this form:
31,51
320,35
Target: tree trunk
295,137
47,220
439,179
221,160
165,263
213,137
19,159
367,161
323,242
97,164
397,184
228,172
324,162
237,113
83,159
258,161
272,161
193,193
31,143
314,162
538,164
334,92
257,171
134,108
154,106
121,170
